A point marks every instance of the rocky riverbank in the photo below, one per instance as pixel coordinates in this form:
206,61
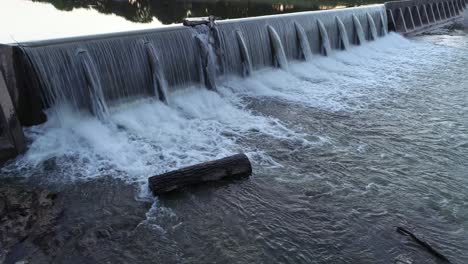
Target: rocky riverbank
75,223
26,216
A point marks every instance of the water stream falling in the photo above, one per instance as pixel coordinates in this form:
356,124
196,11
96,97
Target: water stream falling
383,21
360,38
303,42
324,39
344,40
373,29
246,61
96,96
279,57
159,81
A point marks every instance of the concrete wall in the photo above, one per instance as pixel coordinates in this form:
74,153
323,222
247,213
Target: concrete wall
27,102
11,133
416,16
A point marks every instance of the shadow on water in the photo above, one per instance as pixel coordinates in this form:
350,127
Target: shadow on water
174,11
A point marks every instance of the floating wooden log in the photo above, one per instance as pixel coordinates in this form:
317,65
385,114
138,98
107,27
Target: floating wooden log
237,166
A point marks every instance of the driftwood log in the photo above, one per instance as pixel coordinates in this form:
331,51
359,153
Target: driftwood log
236,166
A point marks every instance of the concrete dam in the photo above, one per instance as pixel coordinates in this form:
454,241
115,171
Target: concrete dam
95,73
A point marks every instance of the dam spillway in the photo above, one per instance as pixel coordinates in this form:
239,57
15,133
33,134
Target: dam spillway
124,64
94,73
414,17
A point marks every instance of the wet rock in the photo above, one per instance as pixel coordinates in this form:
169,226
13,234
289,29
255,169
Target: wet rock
87,222
50,164
25,213
103,233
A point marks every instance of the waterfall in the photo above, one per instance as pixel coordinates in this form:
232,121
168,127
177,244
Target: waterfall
360,38
152,63
277,49
245,56
344,41
383,24
303,42
159,82
324,40
373,28
96,96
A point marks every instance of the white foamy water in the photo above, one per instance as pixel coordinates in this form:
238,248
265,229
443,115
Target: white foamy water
336,82
146,137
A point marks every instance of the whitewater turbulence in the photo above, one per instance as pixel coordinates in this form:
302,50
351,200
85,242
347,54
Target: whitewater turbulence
136,105
146,136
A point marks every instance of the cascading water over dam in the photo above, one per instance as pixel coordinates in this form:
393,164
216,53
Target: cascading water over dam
95,73
245,55
96,96
359,37
414,17
344,41
303,42
373,29
159,82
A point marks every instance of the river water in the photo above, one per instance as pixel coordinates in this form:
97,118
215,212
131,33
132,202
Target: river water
344,150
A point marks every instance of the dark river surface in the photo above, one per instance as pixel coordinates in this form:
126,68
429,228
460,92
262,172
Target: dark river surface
344,150
174,11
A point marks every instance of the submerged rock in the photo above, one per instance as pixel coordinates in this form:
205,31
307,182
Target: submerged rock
25,213
86,222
